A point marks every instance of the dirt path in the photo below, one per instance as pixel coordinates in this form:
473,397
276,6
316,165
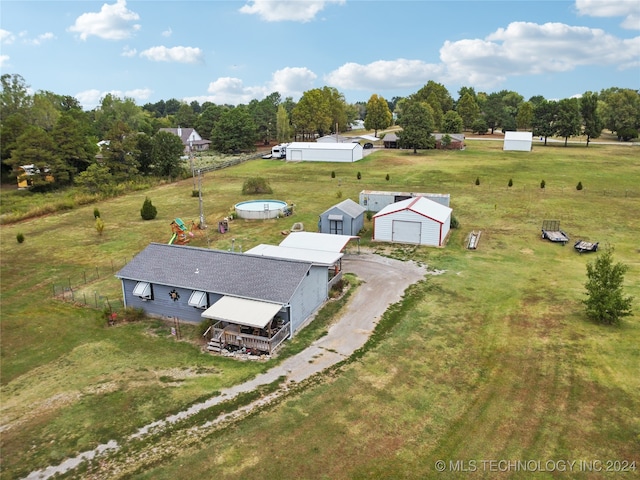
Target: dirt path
384,282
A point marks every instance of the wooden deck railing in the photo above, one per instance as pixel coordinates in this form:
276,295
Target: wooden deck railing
234,337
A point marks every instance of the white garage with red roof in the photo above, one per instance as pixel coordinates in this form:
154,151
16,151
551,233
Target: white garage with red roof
415,220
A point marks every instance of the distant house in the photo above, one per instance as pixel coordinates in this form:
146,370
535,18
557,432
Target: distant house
345,218
518,141
191,139
457,141
390,140
255,301
415,220
335,139
26,174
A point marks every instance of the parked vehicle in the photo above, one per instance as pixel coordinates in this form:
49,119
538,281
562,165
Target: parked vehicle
279,151
368,145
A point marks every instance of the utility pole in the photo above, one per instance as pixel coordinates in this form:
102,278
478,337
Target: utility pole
193,172
203,223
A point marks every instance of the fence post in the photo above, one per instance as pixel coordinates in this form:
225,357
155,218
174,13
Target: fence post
95,297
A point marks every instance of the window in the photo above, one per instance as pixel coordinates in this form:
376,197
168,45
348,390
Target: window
143,290
198,299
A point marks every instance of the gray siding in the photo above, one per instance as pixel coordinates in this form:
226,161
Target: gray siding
350,225
162,305
311,293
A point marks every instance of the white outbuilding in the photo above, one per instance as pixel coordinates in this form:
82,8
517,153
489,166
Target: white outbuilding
324,152
415,220
518,141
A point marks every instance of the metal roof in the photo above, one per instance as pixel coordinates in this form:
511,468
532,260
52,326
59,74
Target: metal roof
323,146
317,241
251,313
420,205
316,257
216,271
349,207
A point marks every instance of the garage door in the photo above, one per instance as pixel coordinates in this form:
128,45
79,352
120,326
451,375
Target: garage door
405,232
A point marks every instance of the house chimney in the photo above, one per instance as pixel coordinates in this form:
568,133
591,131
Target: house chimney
179,131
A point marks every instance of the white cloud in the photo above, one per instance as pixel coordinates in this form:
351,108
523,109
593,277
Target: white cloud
167,32
288,82
129,52
90,99
383,74
174,54
629,9
525,48
292,81
4,60
287,10
113,22
229,90
40,39
6,37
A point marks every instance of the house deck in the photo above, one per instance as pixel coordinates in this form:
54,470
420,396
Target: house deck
233,336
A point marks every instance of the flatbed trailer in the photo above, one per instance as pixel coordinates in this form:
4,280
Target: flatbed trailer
551,231
583,246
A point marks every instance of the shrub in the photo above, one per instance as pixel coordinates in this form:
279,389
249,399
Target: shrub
477,180
579,186
148,211
339,194
256,185
359,175
99,226
195,193
387,177
543,184
454,222
510,182
20,237
96,213
369,215
333,174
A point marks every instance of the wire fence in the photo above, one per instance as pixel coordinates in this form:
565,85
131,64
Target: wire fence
77,288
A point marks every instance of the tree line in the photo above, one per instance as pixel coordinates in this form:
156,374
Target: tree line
119,141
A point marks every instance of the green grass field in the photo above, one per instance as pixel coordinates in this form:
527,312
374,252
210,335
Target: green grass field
492,360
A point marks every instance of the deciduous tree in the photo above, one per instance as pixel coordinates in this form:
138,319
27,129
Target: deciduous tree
417,126
591,121
605,302
378,115
568,119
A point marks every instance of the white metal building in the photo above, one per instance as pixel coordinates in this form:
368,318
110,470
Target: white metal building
324,152
376,200
519,141
415,220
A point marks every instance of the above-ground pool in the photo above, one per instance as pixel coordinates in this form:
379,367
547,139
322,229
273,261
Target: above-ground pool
261,209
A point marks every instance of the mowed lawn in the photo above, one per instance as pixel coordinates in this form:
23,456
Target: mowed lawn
491,360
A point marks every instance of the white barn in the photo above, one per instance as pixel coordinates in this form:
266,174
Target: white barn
324,152
518,141
415,220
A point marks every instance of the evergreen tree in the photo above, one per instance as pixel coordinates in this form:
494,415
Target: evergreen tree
148,211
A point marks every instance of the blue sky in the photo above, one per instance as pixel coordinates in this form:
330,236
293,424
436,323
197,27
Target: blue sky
235,51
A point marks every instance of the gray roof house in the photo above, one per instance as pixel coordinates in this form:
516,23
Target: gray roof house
255,302
191,139
344,218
